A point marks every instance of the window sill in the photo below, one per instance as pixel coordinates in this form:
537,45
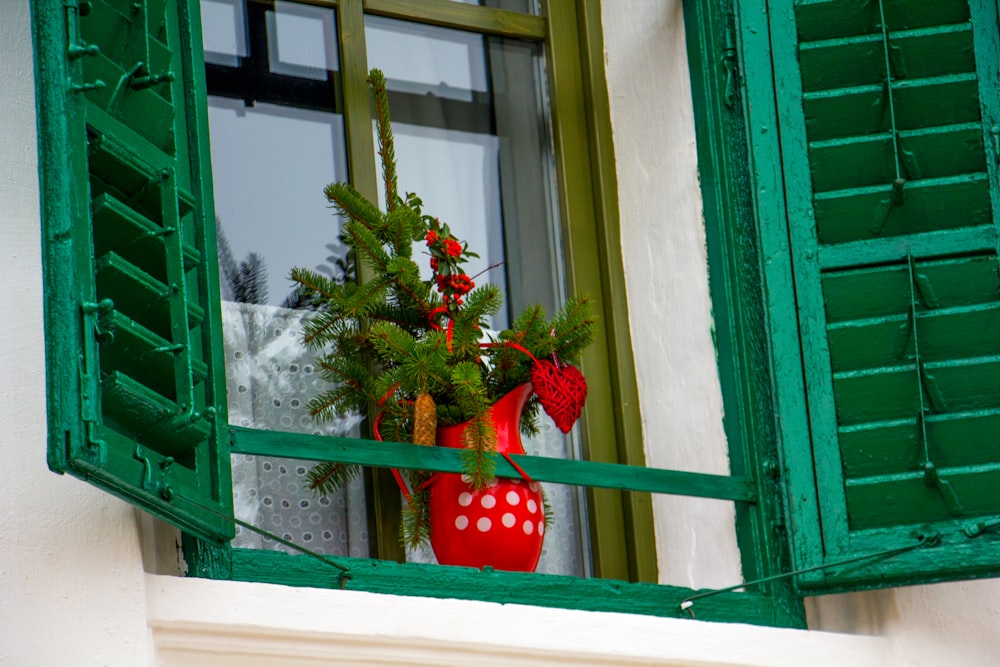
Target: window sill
200,622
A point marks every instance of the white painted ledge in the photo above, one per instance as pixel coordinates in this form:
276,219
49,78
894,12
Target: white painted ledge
202,623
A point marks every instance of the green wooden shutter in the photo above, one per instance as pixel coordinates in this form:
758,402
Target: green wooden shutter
889,116
136,404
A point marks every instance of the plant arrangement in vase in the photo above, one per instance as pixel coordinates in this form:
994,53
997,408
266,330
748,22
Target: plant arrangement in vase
417,355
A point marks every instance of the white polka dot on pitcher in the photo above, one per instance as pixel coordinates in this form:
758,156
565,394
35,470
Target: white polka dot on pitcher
541,527
488,502
513,498
528,527
532,506
465,499
533,486
484,524
509,520
461,522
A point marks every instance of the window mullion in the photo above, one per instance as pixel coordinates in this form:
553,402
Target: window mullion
385,507
451,14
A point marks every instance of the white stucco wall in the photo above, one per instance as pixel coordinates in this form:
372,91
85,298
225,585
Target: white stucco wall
666,273
72,586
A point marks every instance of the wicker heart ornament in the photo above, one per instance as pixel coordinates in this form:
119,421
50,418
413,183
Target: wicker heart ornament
562,391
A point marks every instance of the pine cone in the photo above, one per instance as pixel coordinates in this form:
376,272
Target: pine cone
424,420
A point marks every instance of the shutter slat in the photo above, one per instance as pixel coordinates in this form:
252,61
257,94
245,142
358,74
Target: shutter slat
882,448
158,421
827,19
953,333
916,54
861,110
857,162
931,205
908,499
891,392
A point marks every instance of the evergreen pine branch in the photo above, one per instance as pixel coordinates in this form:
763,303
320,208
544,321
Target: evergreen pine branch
479,438
416,517
298,299
386,143
573,327
327,326
351,204
328,476
363,299
392,344
316,284
402,225
368,246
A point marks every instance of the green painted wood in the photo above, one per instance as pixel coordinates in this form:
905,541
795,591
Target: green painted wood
929,244
928,52
882,448
734,262
502,587
564,471
955,550
857,162
899,354
756,51
906,499
381,494
134,406
450,14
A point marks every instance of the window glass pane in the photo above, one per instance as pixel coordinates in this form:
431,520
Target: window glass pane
524,6
472,140
270,164
224,31
277,139
302,41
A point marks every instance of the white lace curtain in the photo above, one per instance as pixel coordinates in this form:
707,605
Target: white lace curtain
270,378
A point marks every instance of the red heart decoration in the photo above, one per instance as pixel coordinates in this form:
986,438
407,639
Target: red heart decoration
562,391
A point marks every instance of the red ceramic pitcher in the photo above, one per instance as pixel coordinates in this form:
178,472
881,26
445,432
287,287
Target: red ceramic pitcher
500,526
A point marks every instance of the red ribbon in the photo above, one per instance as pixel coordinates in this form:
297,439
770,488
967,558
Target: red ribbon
378,436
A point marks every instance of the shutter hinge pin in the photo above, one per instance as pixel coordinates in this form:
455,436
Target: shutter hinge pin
143,82
86,87
80,49
978,528
729,65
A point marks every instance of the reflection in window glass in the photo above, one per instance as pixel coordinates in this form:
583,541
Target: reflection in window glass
472,140
270,164
277,140
224,31
302,41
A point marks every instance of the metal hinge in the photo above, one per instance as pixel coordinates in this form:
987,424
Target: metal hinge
90,373
730,66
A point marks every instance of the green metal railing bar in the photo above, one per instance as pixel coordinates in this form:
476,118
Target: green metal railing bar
440,459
